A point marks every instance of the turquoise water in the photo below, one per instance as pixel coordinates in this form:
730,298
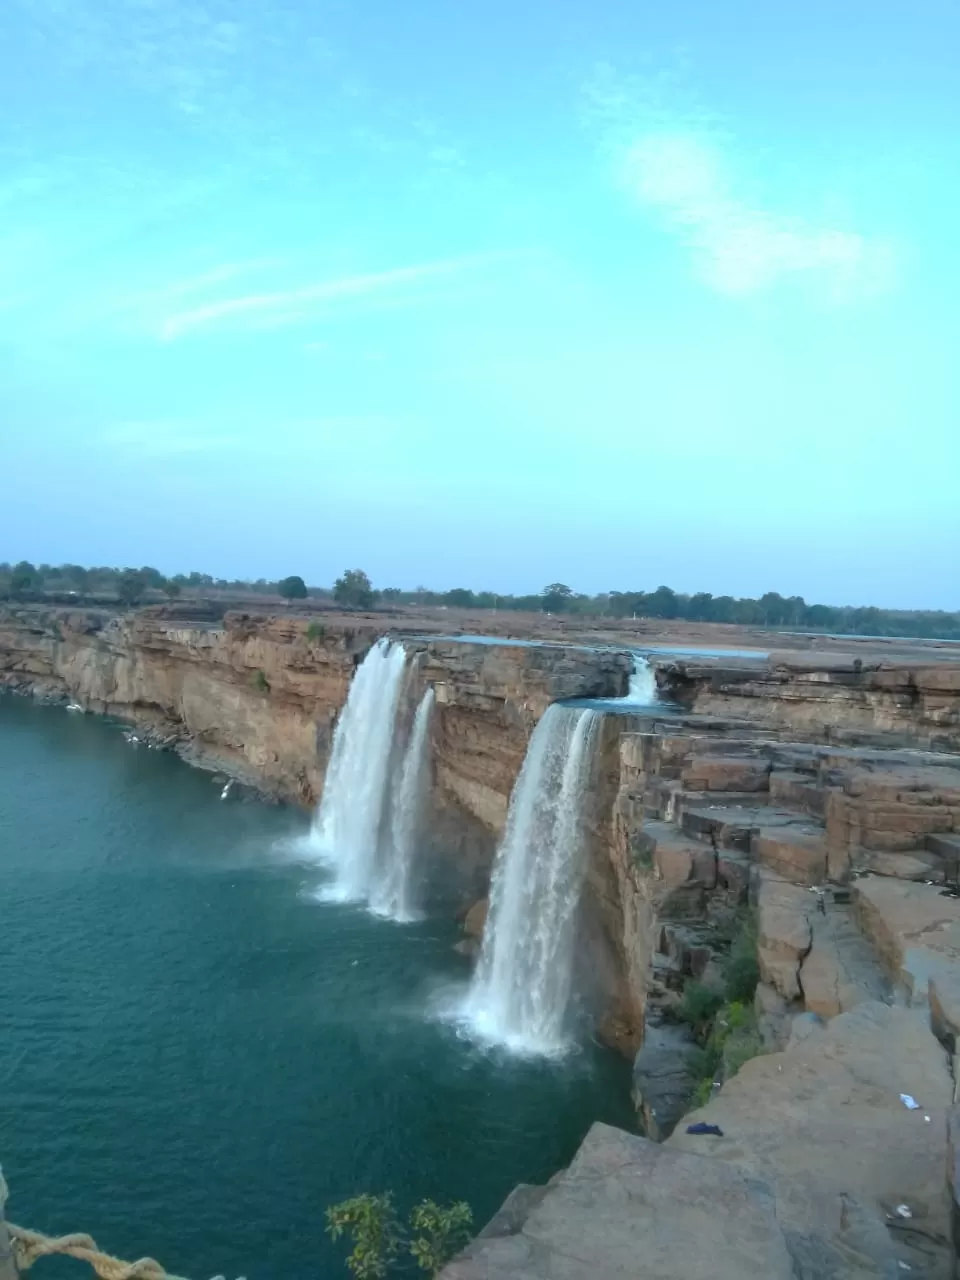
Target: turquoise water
196,1056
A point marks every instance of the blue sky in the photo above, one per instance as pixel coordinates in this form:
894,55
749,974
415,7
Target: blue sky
494,295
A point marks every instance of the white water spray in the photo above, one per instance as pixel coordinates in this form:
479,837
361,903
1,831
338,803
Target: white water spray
393,894
642,688
347,827
522,986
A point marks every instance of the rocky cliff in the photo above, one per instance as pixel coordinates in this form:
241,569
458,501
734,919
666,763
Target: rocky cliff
830,698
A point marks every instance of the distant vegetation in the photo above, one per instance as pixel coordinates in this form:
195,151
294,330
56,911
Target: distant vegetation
292,588
354,590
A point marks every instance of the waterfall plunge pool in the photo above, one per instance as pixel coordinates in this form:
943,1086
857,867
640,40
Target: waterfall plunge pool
197,1057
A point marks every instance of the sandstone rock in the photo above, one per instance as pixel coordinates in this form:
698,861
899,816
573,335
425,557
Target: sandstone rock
840,970
475,919
824,1126
784,934
773,1016
901,866
796,853
627,1208
943,993
915,929
799,790
726,773
664,1078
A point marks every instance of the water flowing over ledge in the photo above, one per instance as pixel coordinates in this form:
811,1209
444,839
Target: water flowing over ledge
368,823
522,987
392,896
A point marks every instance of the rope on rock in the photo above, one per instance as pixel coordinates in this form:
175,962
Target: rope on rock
28,1246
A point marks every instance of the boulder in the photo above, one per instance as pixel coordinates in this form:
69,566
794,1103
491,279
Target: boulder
824,1126
628,1207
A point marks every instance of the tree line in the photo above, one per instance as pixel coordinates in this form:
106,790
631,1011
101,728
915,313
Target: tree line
131,585
354,590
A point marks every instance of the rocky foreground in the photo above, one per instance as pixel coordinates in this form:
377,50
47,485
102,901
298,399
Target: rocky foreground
829,1153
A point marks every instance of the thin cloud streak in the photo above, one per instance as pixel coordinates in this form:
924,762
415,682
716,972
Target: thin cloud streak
271,310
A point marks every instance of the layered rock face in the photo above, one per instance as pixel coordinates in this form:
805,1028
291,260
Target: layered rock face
262,694
830,699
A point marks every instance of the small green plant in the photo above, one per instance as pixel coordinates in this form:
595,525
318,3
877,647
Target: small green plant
702,1093
699,1005
434,1234
740,1048
741,972
438,1233
316,631
374,1229
260,682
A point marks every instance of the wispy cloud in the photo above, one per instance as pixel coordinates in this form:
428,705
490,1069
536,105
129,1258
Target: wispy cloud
738,247
686,171
404,285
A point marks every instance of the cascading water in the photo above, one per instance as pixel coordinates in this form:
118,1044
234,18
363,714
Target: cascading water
642,689
522,986
347,827
392,896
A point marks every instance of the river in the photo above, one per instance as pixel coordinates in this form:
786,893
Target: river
197,1056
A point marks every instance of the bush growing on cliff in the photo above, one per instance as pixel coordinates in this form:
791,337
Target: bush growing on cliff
260,682
741,972
434,1234
699,1005
316,631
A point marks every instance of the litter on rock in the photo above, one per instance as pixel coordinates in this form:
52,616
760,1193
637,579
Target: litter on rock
909,1102
701,1127
904,1211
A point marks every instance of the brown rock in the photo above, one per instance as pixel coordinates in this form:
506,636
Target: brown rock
626,1208
784,933
824,1126
475,919
726,773
795,853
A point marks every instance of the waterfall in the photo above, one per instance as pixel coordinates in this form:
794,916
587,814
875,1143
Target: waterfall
522,985
642,688
347,827
392,896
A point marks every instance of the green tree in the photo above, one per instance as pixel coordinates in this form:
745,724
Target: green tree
354,590
292,588
556,597
662,603
131,586
172,588
23,577
460,597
